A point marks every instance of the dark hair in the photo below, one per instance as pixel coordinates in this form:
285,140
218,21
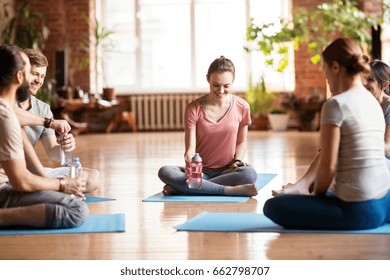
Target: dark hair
221,64
36,58
11,63
348,54
380,71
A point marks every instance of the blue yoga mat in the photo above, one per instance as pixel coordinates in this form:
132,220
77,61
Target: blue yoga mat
253,222
95,223
262,180
92,199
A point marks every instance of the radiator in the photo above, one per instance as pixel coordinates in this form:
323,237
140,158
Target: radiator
160,111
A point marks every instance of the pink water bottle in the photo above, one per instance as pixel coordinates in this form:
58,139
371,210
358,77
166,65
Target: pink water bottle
196,172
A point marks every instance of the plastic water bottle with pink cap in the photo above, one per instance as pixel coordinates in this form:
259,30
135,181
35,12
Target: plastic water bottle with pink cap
196,172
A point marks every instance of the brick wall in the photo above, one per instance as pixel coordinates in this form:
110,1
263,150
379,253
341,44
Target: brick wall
373,7
65,19
8,4
308,77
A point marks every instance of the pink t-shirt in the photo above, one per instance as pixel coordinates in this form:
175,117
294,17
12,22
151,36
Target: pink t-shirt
216,141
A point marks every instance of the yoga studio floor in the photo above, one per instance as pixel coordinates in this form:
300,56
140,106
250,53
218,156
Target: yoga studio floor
129,163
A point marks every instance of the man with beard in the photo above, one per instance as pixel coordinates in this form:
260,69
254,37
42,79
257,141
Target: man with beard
26,198
37,119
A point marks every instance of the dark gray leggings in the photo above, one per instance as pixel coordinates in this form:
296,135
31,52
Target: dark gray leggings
213,182
62,210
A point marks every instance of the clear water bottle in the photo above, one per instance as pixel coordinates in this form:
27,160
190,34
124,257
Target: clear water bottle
75,168
196,172
65,157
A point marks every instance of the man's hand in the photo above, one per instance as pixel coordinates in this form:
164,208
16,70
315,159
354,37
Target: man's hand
75,186
61,126
68,143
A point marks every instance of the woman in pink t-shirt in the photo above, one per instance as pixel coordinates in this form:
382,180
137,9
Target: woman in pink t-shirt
216,127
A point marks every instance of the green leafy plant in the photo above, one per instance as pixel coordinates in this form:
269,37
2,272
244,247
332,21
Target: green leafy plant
27,28
314,27
100,39
260,100
278,111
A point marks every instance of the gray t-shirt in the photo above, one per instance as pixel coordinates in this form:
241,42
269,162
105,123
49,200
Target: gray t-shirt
42,109
386,109
361,172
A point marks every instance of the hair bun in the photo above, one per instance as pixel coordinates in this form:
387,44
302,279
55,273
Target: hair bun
358,63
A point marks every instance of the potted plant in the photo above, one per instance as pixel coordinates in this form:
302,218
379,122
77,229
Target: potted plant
315,27
278,119
100,39
26,29
260,102
305,109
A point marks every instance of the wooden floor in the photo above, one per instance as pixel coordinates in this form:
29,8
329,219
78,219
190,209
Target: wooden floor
129,163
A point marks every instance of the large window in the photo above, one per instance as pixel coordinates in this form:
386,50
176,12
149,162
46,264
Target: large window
167,45
386,36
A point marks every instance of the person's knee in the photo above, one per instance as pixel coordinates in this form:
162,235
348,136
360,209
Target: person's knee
69,215
248,175
78,214
269,208
266,208
94,180
251,174
163,172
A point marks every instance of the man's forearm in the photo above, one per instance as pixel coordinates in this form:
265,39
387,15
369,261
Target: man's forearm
54,153
33,163
28,119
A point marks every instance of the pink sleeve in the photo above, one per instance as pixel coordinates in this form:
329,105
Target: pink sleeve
246,115
191,116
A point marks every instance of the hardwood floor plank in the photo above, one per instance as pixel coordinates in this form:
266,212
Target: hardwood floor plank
129,163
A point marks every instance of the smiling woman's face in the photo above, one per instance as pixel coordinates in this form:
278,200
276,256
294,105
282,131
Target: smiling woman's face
372,85
221,83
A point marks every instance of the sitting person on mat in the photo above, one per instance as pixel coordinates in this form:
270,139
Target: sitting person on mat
32,112
351,154
216,127
27,199
377,82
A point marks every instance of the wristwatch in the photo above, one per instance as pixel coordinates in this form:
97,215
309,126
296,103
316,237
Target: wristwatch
47,122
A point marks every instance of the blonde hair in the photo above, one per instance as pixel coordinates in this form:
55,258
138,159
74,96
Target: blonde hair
36,58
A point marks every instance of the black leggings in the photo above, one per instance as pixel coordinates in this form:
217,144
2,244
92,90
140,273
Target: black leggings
327,212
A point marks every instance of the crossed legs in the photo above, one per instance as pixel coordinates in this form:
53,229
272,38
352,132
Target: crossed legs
48,209
238,181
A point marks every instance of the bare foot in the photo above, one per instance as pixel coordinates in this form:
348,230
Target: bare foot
241,190
297,188
168,190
